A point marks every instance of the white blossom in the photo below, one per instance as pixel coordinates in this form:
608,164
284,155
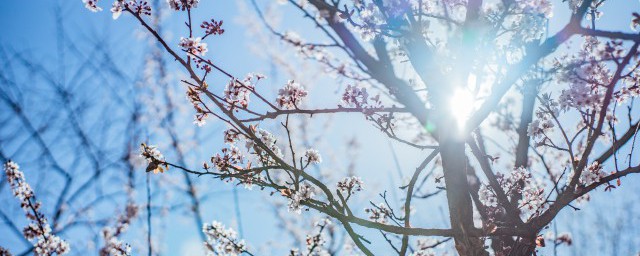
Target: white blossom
222,241
291,95
313,156
92,5
193,45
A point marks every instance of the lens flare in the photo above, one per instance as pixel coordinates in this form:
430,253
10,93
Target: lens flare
462,103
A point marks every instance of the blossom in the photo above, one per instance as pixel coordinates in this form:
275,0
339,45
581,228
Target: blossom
212,28
230,157
193,95
92,5
350,185
221,240
592,174
354,96
155,159
291,95
117,8
296,197
313,156
238,93
579,96
379,213
231,136
537,7
487,196
139,7
193,45
114,246
47,243
181,5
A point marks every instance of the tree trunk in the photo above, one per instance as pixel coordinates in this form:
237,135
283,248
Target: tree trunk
460,207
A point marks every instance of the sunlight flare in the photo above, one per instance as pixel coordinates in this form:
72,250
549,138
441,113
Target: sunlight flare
462,103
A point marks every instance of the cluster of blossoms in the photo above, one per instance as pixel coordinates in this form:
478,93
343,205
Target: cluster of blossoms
296,197
231,136
630,90
371,21
193,96
193,46
139,7
350,185
222,241
182,5
155,159
291,95
354,96
544,117
92,5
229,162
212,28
312,156
237,93
379,213
588,76
537,7
114,246
230,157
580,96
268,140
315,243
592,174
48,243
519,182
358,97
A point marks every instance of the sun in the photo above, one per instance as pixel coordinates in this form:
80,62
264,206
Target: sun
462,103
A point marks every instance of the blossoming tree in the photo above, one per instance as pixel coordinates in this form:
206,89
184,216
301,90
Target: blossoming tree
478,78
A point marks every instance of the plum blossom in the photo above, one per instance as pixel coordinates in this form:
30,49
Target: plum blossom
537,7
291,95
487,196
117,8
155,159
181,5
113,245
296,197
354,96
313,156
519,181
92,5
544,117
379,213
193,45
222,240
230,157
231,136
47,242
212,28
592,174
579,96
350,185
237,93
